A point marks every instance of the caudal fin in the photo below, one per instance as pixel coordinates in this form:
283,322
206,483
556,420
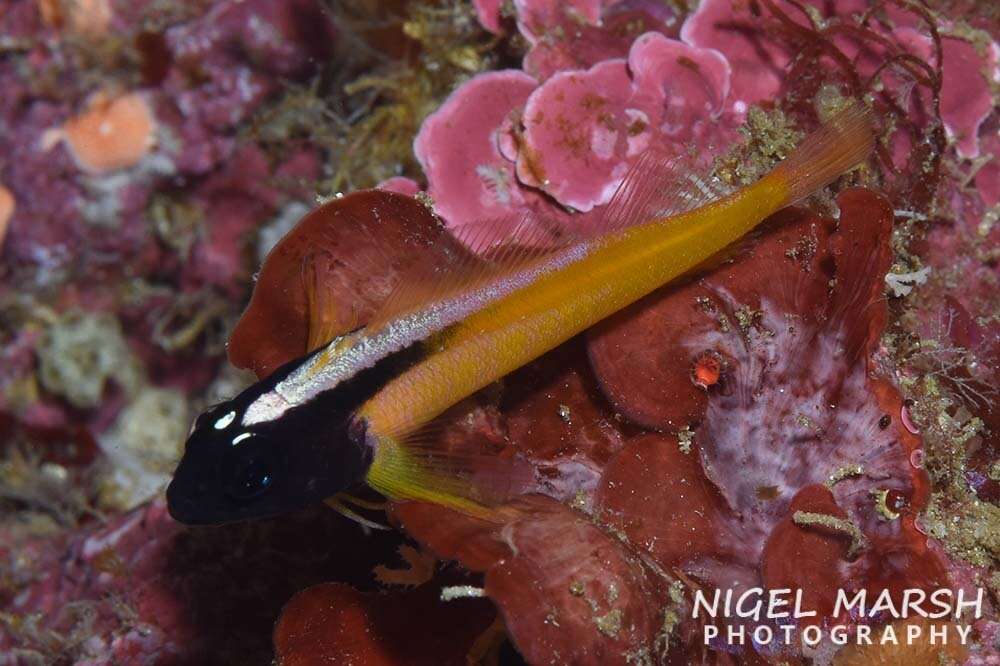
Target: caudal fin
842,143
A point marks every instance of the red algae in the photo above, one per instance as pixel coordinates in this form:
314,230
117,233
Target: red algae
583,129
474,181
334,623
810,559
638,368
376,228
504,142
653,471
577,35
586,597
559,418
890,655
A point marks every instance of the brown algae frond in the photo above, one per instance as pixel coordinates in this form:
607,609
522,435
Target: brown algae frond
858,541
391,72
845,472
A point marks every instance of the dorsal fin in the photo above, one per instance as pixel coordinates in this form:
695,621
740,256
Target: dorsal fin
494,248
373,256
659,185
655,186
332,271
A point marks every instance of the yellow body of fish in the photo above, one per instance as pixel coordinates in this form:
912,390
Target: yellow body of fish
619,268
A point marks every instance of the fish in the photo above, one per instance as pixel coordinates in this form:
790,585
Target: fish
363,397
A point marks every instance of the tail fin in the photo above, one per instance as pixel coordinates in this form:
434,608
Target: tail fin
842,143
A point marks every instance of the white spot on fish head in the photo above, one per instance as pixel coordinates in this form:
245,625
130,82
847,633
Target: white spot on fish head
241,437
225,420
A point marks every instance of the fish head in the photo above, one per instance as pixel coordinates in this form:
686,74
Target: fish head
233,472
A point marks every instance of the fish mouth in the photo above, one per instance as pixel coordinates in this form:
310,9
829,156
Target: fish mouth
179,505
183,507
190,500
194,510
195,502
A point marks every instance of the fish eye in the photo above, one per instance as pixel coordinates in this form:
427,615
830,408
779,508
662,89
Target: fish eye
253,467
252,478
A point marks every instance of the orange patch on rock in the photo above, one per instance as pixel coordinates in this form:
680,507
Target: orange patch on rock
7,205
707,370
113,133
87,17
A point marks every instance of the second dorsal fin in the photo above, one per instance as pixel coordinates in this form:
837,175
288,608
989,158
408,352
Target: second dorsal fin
495,249
655,186
659,185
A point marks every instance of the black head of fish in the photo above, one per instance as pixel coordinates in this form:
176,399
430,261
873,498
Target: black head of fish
235,473
232,472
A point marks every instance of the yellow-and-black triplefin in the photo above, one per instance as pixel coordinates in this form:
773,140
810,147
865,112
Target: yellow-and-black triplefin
360,401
